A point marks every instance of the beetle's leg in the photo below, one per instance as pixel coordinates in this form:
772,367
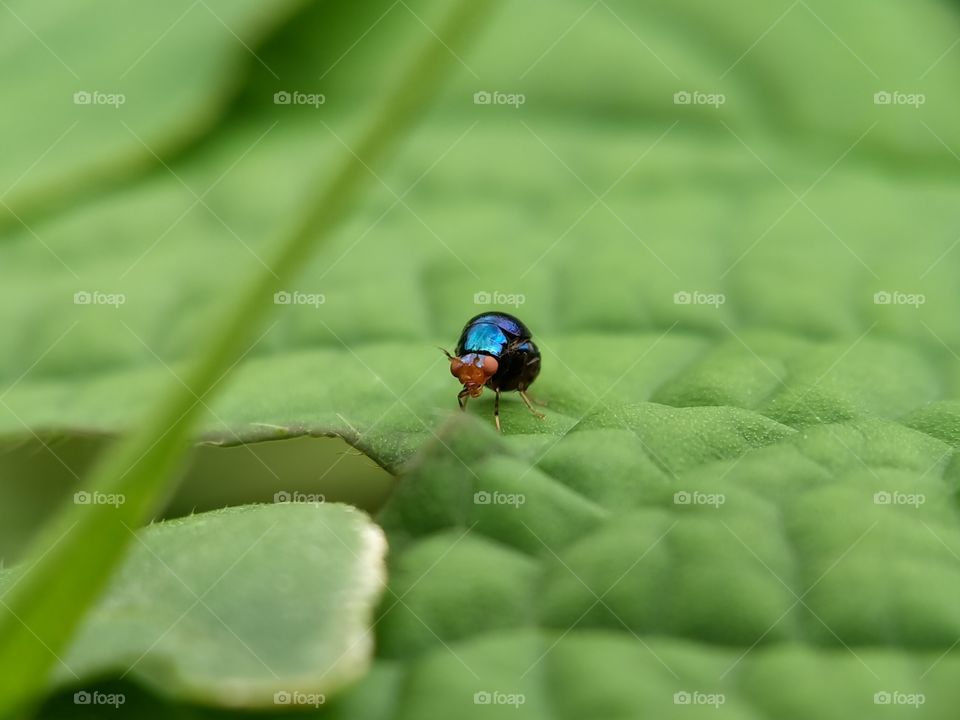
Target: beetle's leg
496,409
462,398
529,404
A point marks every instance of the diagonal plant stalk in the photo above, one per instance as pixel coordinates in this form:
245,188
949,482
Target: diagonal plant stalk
72,559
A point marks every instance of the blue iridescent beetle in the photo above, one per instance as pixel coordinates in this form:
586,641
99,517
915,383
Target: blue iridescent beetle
495,350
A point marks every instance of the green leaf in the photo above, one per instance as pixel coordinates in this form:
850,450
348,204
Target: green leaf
233,606
119,85
794,576
751,496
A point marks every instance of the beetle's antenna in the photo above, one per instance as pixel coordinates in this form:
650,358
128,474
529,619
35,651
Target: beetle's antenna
444,351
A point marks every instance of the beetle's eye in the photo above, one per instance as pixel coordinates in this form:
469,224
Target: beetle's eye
489,365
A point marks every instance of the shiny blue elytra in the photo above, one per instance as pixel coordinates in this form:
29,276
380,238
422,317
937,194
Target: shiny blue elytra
495,350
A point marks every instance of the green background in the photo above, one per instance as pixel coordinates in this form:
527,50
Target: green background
798,398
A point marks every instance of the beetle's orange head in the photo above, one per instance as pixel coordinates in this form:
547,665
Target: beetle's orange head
473,370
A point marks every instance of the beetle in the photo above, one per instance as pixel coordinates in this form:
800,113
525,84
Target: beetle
495,350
